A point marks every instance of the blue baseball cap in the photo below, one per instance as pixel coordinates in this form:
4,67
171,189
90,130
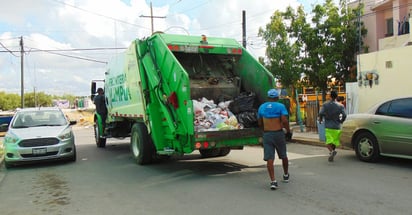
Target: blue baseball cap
272,93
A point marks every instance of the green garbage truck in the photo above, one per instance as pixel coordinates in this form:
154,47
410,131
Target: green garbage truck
153,91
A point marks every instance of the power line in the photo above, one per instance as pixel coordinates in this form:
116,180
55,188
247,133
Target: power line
78,49
194,7
97,14
69,50
8,50
71,56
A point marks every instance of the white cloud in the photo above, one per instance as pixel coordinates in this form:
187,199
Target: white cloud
87,24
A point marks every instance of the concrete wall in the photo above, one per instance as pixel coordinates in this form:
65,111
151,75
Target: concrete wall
391,74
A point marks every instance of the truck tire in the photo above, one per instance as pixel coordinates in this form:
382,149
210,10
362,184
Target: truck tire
224,151
100,141
208,153
142,148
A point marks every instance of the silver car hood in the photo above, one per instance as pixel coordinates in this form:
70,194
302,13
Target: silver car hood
36,132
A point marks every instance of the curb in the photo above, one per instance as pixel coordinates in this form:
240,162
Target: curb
311,141
308,141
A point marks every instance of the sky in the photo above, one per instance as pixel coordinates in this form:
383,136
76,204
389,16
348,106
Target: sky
67,43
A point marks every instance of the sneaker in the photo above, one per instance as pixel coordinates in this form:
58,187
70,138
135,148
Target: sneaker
286,178
274,185
332,155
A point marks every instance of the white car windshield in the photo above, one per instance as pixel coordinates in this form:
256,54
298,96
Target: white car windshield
37,118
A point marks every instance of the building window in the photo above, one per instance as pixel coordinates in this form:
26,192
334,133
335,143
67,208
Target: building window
389,27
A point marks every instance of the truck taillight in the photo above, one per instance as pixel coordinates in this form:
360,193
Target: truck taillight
198,145
235,51
172,99
173,47
204,145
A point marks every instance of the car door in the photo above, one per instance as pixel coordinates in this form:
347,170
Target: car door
393,123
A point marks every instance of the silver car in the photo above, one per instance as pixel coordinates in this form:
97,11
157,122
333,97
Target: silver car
384,130
36,134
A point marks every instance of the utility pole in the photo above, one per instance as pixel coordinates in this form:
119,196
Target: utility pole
359,39
151,16
35,97
22,71
244,28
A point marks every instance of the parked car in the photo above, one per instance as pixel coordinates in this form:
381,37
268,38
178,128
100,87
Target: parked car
5,118
36,134
384,130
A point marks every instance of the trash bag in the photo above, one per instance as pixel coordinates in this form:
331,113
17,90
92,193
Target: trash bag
248,119
244,102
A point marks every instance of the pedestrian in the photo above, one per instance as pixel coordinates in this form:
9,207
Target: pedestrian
100,102
333,114
273,118
342,100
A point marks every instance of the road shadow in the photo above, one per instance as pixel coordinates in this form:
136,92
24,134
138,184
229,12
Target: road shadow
201,166
38,164
393,162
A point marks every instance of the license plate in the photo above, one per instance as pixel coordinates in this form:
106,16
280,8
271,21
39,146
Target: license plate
39,151
191,49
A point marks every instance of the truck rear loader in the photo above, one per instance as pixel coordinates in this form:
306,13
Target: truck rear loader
151,88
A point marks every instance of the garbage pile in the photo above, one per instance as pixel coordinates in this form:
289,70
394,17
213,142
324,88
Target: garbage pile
233,114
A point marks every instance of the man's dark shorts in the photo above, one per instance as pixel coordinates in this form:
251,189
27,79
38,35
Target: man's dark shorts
274,141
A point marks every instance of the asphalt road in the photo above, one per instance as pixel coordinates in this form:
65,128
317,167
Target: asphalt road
106,181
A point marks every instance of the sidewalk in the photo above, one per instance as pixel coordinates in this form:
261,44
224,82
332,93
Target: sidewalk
300,135
308,137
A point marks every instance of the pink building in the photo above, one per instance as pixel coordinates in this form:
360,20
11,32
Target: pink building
387,22
383,72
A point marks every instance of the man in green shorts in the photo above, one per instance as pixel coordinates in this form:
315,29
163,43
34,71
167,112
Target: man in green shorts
333,114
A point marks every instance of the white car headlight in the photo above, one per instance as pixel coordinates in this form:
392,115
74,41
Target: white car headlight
66,134
10,139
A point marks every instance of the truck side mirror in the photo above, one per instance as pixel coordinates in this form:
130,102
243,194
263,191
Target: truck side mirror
93,90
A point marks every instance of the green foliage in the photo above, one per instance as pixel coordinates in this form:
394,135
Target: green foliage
318,49
11,101
38,99
282,49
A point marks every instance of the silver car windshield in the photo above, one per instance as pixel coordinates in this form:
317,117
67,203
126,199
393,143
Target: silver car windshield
39,118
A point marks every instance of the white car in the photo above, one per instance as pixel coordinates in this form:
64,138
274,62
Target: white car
36,134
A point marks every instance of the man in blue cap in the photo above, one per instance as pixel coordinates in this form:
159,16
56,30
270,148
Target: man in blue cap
273,118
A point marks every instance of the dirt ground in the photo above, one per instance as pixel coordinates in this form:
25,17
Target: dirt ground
83,117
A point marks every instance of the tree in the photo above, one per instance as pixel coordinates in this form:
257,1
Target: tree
283,50
322,50
331,45
9,101
38,99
